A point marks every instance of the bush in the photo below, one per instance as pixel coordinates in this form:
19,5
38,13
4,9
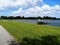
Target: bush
44,40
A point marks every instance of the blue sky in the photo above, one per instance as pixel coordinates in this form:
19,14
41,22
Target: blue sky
52,2
30,8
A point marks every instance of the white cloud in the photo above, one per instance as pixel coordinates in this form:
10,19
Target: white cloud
45,10
15,3
57,7
46,7
6,3
27,2
18,11
33,10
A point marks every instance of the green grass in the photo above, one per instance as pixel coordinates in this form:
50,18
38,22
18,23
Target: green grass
19,30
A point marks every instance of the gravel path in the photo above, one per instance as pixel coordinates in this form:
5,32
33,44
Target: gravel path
4,36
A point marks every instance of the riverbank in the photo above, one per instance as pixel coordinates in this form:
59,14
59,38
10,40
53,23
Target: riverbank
19,30
50,22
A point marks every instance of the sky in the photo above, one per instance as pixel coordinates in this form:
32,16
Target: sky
32,8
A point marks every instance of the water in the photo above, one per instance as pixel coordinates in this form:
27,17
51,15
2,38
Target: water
51,22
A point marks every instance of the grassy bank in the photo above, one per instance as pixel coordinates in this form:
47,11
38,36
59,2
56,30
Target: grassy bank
20,30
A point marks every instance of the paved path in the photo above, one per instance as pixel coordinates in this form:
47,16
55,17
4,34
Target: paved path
4,36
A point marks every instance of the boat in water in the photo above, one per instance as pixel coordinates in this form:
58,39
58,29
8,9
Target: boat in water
41,22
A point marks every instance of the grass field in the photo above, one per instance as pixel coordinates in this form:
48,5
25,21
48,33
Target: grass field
19,30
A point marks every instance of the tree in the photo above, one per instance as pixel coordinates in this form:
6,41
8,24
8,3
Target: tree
3,17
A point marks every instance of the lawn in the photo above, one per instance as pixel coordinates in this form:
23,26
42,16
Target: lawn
19,30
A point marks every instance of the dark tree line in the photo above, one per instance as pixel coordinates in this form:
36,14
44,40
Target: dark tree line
19,17
46,17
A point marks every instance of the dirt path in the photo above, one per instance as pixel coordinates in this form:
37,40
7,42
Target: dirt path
4,36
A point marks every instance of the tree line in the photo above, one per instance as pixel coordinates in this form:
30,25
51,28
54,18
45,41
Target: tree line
19,17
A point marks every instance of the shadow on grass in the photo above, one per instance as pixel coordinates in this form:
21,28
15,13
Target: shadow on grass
44,40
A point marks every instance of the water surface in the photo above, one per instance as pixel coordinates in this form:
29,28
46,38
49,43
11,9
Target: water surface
51,22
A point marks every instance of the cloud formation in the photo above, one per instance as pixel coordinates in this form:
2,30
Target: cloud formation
44,10
33,7
15,3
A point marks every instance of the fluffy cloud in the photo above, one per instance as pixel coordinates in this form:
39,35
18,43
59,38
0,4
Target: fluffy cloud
46,7
6,3
27,2
44,10
34,7
15,3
